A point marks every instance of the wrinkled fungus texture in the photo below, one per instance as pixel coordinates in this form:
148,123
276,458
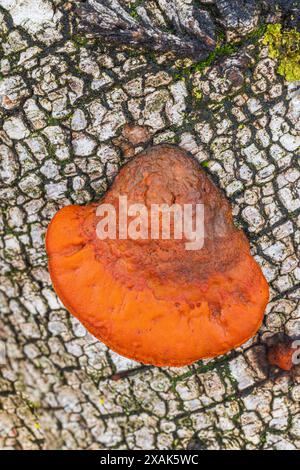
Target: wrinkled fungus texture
152,300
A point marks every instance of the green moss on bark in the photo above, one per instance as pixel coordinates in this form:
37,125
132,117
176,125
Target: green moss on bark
285,47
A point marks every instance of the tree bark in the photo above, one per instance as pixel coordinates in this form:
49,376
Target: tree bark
186,27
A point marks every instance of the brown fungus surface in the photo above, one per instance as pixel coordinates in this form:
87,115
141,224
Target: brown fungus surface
153,300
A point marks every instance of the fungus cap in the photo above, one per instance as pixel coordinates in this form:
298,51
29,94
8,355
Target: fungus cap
151,299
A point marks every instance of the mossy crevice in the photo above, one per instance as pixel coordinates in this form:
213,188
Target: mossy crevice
223,49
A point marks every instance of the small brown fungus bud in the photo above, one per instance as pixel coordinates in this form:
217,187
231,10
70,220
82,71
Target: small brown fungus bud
136,135
283,353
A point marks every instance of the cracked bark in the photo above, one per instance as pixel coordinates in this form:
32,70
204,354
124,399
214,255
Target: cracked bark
59,387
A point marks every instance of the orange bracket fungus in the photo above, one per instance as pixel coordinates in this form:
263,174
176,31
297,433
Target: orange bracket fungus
153,298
